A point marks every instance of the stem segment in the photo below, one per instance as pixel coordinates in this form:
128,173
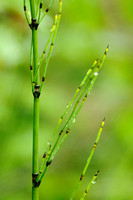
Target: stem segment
35,190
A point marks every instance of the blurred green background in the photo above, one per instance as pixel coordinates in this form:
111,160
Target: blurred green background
85,30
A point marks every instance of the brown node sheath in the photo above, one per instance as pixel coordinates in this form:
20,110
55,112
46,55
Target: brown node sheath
34,24
67,131
81,177
41,5
44,155
47,9
48,163
61,132
95,145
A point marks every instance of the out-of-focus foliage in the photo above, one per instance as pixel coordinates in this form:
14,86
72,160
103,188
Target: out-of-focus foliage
86,28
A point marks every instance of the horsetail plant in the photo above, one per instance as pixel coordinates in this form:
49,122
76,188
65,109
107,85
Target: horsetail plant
34,18
93,180
88,161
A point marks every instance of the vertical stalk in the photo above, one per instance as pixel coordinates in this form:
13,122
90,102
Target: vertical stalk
35,190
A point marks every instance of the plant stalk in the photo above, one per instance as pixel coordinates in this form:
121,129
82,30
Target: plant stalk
35,190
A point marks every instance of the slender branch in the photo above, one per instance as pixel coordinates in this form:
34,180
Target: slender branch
35,190
26,13
52,44
93,180
31,67
90,81
40,10
47,44
88,160
46,11
74,97
62,130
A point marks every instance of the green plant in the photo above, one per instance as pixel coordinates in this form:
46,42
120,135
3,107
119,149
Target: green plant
34,17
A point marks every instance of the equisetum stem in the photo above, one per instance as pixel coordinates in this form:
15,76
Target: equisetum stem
35,190
46,11
68,130
25,12
88,187
40,9
90,81
93,180
88,160
52,44
73,98
47,44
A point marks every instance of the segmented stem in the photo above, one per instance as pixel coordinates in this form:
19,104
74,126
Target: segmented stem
25,12
31,67
89,185
46,47
90,81
40,10
52,44
74,97
88,160
46,11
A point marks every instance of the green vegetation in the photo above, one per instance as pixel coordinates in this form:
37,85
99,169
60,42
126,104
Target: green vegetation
81,37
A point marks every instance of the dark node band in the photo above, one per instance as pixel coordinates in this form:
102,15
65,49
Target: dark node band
48,163
43,79
24,8
34,178
44,155
95,145
86,191
61,132
30,67
52,44
47,9
36,94
41,5
67,131
34,24
81,177
86,96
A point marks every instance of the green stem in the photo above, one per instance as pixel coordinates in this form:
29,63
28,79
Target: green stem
88,160
35,190
93,180
25,12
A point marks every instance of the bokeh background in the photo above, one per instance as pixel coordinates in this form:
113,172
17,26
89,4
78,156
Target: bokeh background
85,30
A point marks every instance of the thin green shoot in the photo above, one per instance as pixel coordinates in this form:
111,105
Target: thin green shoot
88,160
72,100
46,11
47,44
93,181
90,81
26,13
39,10
31,66
52,44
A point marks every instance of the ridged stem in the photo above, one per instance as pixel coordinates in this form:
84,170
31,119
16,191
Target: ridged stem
35,190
